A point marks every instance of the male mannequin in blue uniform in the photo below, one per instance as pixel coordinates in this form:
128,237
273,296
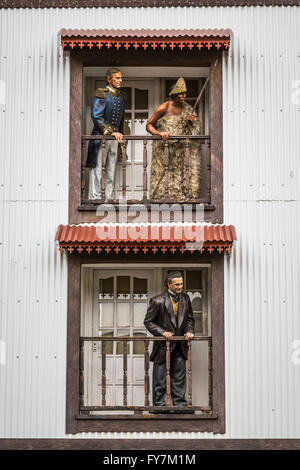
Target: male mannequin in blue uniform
108,111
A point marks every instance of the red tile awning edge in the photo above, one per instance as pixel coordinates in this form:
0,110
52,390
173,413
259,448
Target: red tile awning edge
145,238
164,39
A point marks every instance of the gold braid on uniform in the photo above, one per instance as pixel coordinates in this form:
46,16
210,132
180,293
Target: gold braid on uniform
101,93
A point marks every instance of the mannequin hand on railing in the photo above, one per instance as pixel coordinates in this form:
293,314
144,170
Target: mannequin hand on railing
168,334
164,135
118,136
188,336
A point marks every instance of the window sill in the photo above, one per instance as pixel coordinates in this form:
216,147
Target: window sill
202,416
149,423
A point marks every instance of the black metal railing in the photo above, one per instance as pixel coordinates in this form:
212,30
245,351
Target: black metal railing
84,409
206,168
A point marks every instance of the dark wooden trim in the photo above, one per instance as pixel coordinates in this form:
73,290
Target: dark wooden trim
216,134
76,90
217,333
149,444
141,3
214,212
73,344
145,425
160,423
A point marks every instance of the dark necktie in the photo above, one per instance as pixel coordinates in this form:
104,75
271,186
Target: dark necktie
175,297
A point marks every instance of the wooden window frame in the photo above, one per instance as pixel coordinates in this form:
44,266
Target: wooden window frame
78,60
157,423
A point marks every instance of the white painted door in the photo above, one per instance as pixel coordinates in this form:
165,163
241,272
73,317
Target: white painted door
119,306
139,108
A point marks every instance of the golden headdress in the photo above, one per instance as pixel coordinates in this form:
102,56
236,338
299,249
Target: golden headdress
179,87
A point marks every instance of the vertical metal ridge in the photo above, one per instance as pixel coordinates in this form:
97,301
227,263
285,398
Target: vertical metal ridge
261,149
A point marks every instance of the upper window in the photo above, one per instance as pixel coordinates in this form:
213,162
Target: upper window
145,165
147,168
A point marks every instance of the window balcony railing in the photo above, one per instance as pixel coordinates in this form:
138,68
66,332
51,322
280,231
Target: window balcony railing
206,411
124,190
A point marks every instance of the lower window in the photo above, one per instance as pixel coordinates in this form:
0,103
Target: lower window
115,371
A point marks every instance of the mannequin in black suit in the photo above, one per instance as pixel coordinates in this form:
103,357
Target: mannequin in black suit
170,314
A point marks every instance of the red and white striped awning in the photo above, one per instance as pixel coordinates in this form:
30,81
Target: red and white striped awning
145,238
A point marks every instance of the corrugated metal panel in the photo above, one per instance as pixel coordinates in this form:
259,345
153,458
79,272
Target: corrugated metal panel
261,191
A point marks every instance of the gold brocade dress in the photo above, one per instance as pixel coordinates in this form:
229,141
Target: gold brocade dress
175,125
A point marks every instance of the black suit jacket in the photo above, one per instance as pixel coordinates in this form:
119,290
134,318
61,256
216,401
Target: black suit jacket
160,318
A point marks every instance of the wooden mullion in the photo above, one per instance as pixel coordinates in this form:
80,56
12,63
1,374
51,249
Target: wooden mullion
104,156
166,169
125,379
145,170
147,366
187,168
190,373
168,376
103,372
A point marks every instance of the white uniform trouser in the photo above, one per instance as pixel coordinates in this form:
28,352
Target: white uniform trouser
111,150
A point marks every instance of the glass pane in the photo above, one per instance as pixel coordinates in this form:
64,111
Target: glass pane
140,288
108,344
139,346
120,344
106,288
192,88
127,92
140,122
140,129
128,130
141,99
139,312
100,84
123,314
127,124
106,314
198,324
193,279
196,301
123,287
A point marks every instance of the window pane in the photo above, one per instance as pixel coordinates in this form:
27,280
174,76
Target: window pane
123,287
128,130
127,124
139,312
192,88
120,344
123,314
198,324
106,314
193,279
127,92
106,288
139,346
141,99
196,301
140,288
108,344
140,122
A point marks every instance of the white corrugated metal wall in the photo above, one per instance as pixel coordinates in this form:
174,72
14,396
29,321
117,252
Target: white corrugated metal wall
261,181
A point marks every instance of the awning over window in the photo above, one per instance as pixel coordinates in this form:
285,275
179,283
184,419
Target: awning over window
145,238
135,39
